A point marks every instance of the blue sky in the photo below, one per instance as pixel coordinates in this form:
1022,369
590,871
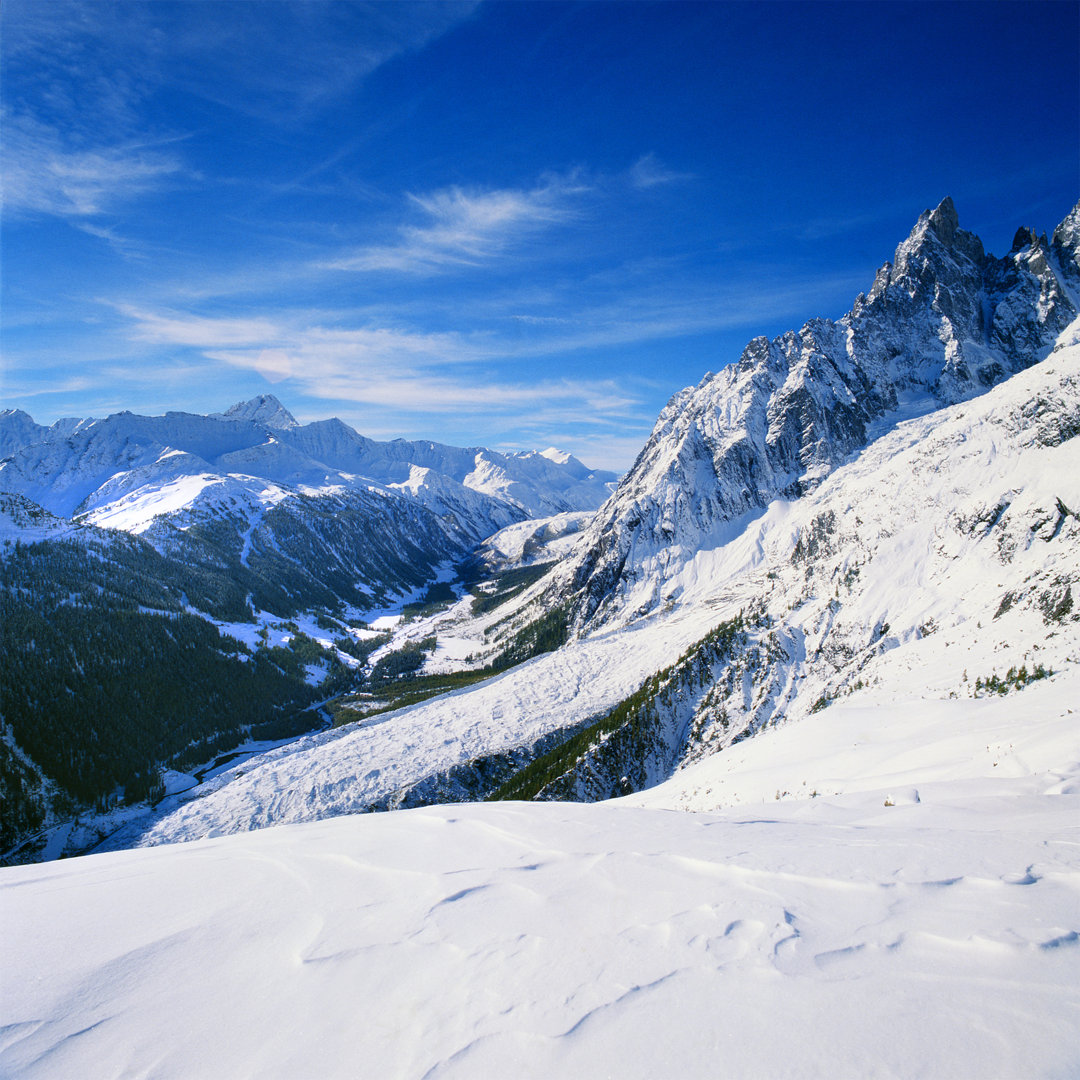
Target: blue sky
513,224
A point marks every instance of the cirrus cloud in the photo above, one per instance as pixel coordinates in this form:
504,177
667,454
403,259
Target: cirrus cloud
465,227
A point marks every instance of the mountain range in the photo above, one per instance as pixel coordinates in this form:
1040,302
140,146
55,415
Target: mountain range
126,470
743,574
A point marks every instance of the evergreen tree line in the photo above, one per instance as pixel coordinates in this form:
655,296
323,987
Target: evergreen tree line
106,676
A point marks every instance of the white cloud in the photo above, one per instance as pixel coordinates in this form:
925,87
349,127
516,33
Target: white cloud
44,175
648,171
408,371
467,227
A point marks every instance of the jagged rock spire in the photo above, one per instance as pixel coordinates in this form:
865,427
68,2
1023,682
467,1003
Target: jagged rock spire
943,323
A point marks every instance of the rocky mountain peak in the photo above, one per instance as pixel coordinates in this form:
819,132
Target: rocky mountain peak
943,323
264,408
936,236
944,220
1024,238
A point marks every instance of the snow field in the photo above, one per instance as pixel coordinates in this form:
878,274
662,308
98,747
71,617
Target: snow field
825,938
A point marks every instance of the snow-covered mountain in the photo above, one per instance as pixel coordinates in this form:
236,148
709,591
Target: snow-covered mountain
151,569
942,563
941,324
746,571
882,881
832,611
125,470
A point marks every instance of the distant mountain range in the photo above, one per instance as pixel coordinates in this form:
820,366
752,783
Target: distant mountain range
126,470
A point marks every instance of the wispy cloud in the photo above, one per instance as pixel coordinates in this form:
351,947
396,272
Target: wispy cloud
648,171
467,227
278,61
43,173
80,135
435,373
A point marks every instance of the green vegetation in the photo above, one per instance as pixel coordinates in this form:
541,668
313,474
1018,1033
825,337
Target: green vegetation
402,663
542,635
1014,679
100,699
440,595
816,539
394,683
361,649
106,676
508,585
401,693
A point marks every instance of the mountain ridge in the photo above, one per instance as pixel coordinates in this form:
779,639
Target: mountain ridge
847,595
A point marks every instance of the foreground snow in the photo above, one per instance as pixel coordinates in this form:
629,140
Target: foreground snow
832,936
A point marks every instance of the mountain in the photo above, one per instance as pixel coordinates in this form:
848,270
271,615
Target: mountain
126,470
836,511
941,324
152,569
18,429
832,611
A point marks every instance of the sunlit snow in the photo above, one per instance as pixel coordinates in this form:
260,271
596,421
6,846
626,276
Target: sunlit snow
929,926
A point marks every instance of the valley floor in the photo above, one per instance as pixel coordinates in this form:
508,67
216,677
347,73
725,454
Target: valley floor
917,918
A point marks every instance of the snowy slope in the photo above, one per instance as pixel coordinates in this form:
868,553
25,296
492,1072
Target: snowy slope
938,557
838,936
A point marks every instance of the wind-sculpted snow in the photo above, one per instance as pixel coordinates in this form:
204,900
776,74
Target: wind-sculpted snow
929,929
941,324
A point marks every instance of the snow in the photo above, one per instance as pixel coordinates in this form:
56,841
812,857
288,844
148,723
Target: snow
176,782
126,469
548,538
806,937
346,769
899,747
883,881
135,511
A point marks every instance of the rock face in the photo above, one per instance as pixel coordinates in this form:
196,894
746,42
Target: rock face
942,323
